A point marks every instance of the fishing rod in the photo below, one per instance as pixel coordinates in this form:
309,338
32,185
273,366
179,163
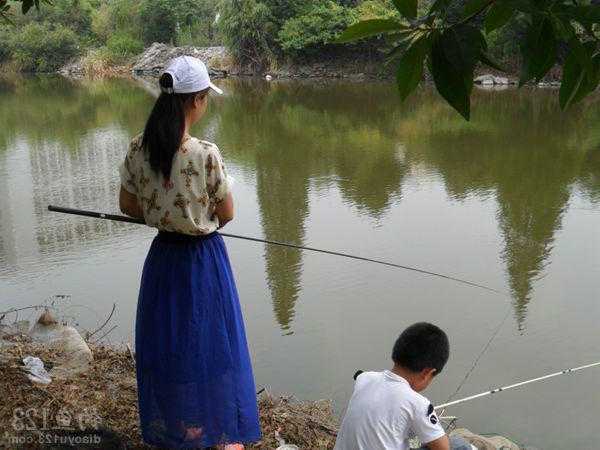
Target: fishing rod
118,218
512,386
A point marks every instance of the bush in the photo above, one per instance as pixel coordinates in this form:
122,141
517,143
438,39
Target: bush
159,21
42,48
376,9
5,47
102,23
122,46
196,20
320,24
74,14
248,29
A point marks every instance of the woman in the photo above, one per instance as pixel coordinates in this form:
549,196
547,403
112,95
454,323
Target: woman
195,382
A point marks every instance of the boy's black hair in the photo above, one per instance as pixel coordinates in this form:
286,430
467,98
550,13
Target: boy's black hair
422,346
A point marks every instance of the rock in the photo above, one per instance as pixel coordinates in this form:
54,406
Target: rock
47,319
75,355
492,80
218,60
485,443
484,79
74,68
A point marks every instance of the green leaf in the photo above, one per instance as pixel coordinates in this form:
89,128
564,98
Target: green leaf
489,61
408,8
26,6
586,15
526,6
498,15
410,67
368,28
438,5
463,45
473,6
572,80
580,73
453,81
400,46
538,50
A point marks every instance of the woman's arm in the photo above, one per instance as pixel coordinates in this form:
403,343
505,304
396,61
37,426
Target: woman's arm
129,204
224,210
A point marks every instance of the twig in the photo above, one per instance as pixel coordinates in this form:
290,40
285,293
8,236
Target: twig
21,309
105,322
105,334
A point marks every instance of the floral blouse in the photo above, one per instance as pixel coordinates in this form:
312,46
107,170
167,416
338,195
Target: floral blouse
185,202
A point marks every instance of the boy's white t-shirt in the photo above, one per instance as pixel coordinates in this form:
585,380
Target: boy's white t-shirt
384,412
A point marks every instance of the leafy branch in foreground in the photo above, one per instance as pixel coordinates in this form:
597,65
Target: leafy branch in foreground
452,41
26,5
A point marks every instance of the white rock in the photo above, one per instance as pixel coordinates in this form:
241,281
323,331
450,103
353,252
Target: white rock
75,353
484,79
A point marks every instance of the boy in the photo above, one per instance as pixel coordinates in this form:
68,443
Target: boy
386,407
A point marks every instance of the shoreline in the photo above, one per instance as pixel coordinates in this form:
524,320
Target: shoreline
91,393
221,64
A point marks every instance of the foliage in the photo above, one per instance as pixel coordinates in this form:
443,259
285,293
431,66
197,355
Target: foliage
122,46
320,24
26,5
39,47
197,22
452,42
5,50
74,14
102,22
248,30
376,9
159,21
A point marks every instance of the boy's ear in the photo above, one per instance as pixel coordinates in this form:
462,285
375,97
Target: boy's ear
429,372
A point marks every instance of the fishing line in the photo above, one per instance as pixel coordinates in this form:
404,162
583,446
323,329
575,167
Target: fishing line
483,351
119,218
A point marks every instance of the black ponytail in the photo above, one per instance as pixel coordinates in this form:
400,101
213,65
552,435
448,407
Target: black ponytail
165,126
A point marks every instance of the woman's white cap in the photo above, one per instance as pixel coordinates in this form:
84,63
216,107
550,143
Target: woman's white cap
189,75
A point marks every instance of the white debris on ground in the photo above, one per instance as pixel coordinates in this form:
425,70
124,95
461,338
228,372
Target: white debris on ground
36,371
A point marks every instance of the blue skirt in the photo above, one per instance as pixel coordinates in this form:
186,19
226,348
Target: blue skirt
195,382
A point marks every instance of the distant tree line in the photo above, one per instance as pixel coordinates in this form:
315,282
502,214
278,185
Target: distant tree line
257,31
448,37
49,34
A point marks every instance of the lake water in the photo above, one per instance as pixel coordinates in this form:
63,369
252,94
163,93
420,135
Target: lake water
510,200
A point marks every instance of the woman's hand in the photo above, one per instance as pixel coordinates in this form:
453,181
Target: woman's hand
128,203
224,210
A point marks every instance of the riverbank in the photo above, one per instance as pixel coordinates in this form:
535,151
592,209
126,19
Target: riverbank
88,397
221,63
96,401
347,65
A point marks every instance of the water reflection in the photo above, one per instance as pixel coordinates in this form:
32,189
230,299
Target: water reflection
523,152
61,143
